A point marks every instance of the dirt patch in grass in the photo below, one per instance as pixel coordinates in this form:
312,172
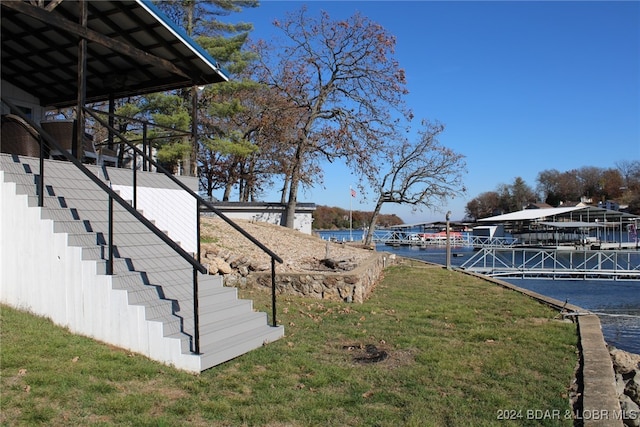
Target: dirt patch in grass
380,354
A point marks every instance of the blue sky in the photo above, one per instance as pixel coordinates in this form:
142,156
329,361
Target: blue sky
520,86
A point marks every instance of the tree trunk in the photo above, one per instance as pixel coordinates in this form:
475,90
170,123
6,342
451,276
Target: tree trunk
227,192
294,182
372,223
209,185
290,213
283,192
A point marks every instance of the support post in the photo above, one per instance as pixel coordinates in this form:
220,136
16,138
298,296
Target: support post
110,242
193,158
273,291
41,177
448,242
82,81
196,314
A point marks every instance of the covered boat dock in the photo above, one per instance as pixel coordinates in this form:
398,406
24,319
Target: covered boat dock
570,227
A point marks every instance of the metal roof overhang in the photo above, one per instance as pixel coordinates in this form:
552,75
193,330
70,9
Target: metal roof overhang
132,49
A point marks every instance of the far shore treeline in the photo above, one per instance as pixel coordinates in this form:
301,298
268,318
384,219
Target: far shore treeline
332,218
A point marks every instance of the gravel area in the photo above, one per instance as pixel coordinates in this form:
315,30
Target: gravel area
300,252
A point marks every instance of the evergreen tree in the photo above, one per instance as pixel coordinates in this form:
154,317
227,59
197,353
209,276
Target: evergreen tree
201,19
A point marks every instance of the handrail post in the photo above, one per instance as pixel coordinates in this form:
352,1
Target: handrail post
196,314
41,180
110,260
134,166
144,147
273,291
196,304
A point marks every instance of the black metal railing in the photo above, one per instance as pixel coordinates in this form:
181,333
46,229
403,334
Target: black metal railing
48,140
200,201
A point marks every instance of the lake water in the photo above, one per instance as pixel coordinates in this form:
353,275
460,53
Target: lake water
617,303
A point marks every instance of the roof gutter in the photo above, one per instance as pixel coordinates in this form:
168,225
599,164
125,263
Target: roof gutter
183,36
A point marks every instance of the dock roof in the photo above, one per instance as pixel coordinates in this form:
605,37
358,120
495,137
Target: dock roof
575,213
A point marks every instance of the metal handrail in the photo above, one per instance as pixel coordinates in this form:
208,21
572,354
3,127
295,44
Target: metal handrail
188,190
146,141
201,201
197,266
52,143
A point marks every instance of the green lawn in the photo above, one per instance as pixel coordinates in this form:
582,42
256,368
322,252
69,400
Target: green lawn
460,352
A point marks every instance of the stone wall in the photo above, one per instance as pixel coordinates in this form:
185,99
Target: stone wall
627,369
350,286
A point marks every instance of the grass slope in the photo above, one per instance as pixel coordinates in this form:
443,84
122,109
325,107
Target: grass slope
460,352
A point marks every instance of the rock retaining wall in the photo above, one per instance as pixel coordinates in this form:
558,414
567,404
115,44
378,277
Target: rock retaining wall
627,370
350,286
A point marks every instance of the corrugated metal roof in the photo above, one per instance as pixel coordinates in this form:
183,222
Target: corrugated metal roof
40,51
530,214
575,213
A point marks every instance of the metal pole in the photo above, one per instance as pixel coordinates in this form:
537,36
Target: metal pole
82,83
448,242
196,305
193,158
144,147
110,260
134,166
41,180
273,291
350,214
196,314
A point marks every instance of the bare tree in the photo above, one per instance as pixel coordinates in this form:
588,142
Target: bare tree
343,86
420,174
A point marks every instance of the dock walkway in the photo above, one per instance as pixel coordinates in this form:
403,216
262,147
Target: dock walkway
556,263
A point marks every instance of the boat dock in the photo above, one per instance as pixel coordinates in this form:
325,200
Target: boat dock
541,263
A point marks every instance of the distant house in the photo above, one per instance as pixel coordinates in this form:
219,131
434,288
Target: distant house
610,205
272,213
580,204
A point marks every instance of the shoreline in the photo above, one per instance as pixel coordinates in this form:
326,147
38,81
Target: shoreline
597,390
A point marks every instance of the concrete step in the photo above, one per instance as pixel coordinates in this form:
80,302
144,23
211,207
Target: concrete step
185,341
129,228
211,298
217,352
224,310
232,326
171,326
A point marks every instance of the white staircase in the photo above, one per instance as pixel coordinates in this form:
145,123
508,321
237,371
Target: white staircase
150,307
